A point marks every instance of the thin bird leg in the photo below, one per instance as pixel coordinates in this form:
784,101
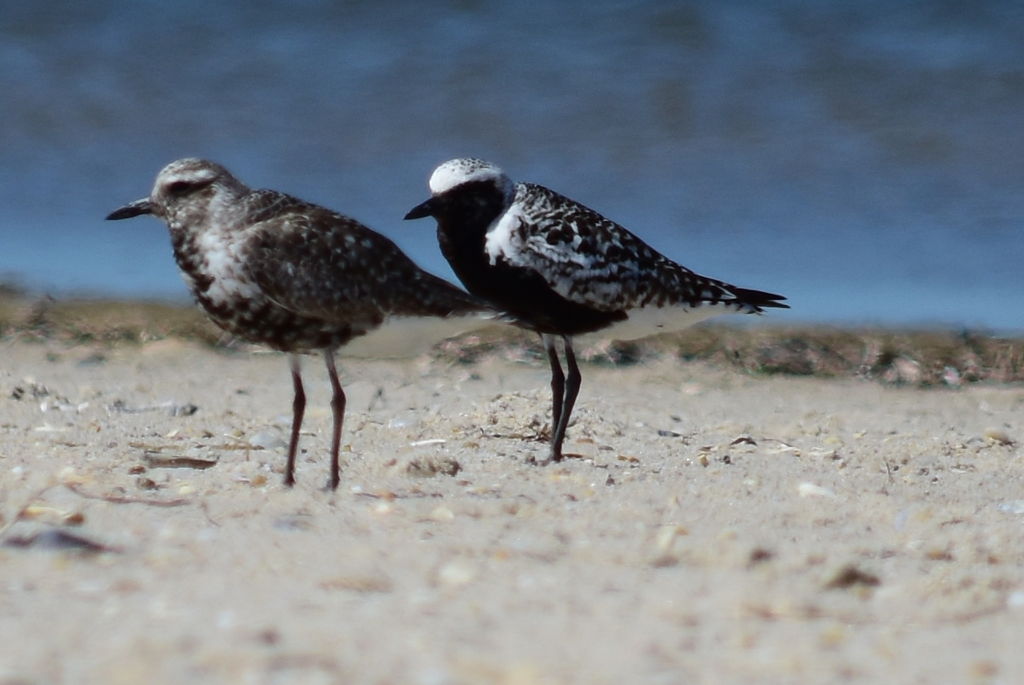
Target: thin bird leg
338,409
298,409
572,389
557,381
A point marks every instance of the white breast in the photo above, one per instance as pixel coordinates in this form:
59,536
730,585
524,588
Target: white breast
654,320
221,263
500,238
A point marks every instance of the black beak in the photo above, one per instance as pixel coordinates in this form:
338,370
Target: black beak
421,210
143,206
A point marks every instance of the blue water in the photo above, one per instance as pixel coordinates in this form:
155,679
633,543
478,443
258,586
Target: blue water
865,159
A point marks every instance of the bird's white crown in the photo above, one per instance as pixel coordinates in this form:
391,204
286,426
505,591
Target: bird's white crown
456,172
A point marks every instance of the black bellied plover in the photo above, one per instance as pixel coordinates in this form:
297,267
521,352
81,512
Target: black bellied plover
276,270
561,269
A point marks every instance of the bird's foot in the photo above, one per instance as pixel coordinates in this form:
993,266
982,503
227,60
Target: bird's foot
550,459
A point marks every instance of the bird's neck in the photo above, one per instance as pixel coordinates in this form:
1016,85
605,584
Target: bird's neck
201,231
462,231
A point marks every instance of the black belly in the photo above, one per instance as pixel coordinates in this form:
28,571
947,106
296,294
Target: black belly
521,293
531,302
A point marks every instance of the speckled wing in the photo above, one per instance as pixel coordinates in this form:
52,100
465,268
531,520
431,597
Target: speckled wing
591,260
321,264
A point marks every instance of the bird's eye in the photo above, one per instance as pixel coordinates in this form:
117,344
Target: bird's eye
179,187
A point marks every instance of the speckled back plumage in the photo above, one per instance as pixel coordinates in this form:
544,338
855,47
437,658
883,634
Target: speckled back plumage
279,271
559,267
589,259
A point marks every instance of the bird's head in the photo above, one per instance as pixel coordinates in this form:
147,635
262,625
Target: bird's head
466,188
184,189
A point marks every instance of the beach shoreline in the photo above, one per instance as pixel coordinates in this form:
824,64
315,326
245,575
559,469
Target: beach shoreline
716,522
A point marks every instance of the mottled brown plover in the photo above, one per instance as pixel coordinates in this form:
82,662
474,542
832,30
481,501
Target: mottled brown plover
276,270
561,269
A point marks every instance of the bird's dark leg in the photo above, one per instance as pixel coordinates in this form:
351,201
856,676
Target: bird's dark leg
338,410
298,409
572,389
557,382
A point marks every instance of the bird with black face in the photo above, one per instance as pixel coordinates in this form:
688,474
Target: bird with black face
296,277
560,269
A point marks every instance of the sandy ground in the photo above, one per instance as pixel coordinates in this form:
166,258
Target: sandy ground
715,527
